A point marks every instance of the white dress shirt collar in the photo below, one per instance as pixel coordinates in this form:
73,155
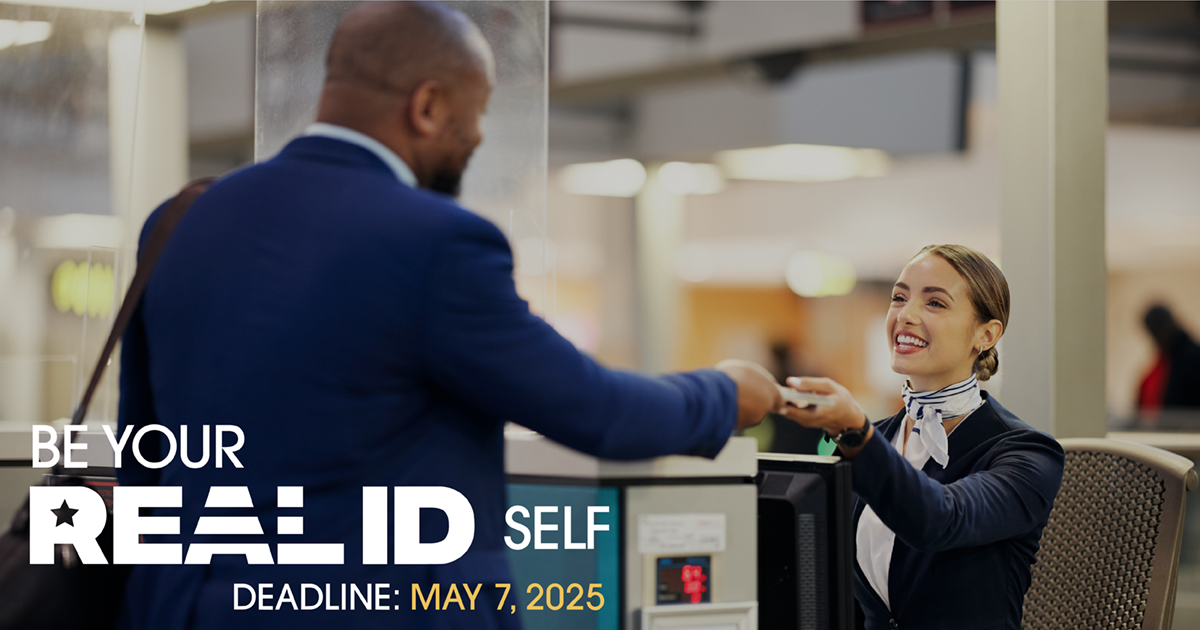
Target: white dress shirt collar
393,161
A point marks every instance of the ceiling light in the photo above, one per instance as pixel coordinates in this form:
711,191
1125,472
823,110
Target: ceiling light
153,7
617,178
803,163
814,274
683,178
78,231
13,33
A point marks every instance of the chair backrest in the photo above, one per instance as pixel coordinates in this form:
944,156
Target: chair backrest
1109,555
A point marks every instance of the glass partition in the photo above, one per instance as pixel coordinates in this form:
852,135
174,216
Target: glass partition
68,86
506,181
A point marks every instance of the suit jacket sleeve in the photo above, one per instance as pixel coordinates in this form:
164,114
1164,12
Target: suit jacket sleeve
483,346
1010,496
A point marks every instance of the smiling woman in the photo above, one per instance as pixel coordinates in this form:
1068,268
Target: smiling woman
957,295
951,502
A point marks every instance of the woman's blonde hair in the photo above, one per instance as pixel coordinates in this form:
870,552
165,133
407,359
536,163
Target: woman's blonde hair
987,289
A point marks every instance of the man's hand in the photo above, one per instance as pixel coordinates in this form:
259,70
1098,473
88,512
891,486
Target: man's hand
757,392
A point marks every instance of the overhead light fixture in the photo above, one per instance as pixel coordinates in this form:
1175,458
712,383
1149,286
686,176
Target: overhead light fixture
803,163
78,231
14,33
683,178
152,7
814,274
616,178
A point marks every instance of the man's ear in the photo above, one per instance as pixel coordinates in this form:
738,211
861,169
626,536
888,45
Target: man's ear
427,108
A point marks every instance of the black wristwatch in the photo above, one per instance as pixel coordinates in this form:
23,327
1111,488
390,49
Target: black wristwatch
853,438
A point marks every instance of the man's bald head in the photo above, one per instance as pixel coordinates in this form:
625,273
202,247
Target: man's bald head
393,46
416,76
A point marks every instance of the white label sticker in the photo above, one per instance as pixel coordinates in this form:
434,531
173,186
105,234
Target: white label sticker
681,533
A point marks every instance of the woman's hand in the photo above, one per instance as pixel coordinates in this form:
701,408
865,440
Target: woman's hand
843,414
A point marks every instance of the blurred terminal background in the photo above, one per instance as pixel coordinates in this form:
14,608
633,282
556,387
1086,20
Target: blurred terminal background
724,179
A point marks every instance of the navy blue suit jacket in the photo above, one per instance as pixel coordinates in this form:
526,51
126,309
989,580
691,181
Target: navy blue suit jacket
362,333
966,535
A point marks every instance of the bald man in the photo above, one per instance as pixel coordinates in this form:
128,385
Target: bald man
361,329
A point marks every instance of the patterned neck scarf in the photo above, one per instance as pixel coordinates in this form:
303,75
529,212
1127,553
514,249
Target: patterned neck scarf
928,409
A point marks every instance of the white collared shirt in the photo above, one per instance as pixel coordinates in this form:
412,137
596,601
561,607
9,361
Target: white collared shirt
389,157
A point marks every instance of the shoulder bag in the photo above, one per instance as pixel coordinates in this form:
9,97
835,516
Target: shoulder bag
68,593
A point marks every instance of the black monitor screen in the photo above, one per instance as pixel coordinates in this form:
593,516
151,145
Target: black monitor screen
805,543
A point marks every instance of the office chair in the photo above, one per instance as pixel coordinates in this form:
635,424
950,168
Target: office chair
1109,555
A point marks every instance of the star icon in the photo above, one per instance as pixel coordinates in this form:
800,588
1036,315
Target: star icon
65,515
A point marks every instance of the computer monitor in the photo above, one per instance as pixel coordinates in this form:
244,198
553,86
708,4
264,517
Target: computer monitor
805,543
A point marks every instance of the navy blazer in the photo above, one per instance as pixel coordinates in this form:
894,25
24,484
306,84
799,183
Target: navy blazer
362,333
966,535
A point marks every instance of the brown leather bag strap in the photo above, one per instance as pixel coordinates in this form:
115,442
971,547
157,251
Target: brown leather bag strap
148,258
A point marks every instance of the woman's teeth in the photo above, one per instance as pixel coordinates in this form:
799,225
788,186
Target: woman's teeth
910,341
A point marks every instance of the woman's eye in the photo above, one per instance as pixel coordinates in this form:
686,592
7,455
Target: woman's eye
937,303
897,298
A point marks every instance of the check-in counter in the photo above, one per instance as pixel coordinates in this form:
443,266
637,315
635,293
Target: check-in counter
681,547
1185,444
594,544
17,473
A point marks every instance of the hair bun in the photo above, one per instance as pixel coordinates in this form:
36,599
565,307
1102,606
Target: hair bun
987,363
